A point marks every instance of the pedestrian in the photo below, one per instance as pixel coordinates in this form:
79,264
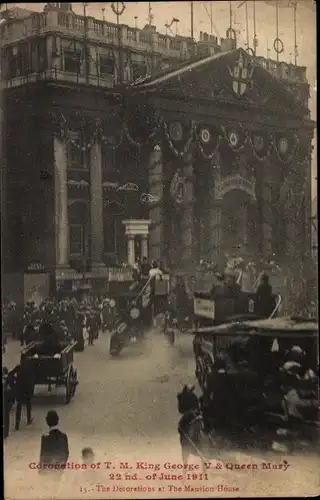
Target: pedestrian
90,328
145,267
8,401
29,334
155,270
24,389
264,303
54,445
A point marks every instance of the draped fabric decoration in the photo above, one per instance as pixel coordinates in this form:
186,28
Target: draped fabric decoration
179,136
235,136
141,125
286,147
261,144
177,187
88,131
208,140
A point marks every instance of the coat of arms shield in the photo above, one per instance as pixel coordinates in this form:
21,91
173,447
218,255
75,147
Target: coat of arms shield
241,76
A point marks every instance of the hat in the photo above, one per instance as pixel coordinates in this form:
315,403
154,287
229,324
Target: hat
291,367
297,349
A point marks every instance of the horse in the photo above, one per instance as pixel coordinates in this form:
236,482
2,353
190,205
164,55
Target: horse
191,425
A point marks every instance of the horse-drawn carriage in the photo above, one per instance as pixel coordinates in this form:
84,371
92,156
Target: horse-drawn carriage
50,361
135,315
259,372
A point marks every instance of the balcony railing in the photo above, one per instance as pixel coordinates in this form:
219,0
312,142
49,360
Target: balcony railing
74,25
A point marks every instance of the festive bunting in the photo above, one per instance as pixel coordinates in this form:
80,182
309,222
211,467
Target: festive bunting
261,144
235,136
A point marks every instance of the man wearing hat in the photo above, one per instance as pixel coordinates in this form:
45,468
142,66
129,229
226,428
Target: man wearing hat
54,445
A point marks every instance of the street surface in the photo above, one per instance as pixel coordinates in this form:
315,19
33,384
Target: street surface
125,408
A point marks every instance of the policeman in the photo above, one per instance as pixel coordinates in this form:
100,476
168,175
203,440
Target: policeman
54,445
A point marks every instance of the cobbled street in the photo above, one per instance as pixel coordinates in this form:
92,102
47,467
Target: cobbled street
125,409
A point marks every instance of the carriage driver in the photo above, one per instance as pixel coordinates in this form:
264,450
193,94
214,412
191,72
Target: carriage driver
51,344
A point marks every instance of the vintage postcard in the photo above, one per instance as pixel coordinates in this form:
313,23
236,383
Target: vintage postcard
159,249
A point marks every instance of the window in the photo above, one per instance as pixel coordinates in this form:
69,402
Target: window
107,158
76,157
72,61
76,240
79,229
106,66
15,65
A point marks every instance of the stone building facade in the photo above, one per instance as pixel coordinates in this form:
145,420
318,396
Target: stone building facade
119,142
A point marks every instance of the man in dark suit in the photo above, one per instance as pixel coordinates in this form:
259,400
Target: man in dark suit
24,389
54,444
8,400
264,299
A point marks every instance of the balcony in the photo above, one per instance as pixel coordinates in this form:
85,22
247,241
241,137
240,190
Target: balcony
70,25
54,74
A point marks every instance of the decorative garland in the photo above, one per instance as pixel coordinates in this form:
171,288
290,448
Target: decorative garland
113,144
187,144
111,141
199,142
269,149
150,136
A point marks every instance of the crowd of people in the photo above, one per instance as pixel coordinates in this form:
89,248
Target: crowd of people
69,319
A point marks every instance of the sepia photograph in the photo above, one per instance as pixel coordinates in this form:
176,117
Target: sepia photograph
159,250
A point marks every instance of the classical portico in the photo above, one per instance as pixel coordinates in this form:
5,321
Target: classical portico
219,158
136,229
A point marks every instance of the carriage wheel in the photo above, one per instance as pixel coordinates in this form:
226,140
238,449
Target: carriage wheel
74,382
69,384
200,372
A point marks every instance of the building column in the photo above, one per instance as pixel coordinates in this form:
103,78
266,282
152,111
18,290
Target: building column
187,222
96,206
130,249
61,202
144,246
267,216
156,209
214,221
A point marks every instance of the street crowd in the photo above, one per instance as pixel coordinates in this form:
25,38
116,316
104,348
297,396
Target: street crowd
71,320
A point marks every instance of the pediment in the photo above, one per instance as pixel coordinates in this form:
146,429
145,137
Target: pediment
230,77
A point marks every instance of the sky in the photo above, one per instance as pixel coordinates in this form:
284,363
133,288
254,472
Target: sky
164,12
